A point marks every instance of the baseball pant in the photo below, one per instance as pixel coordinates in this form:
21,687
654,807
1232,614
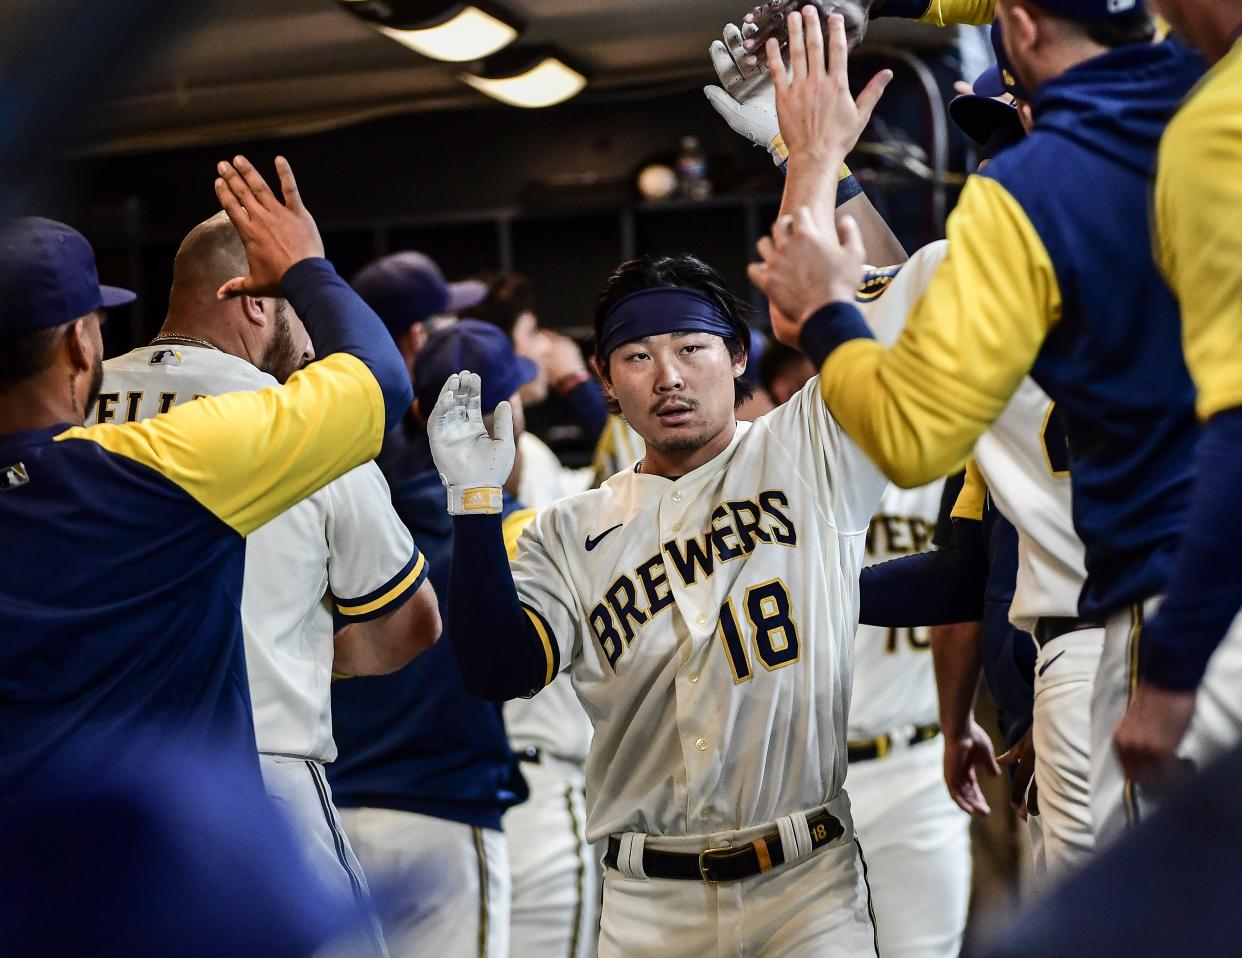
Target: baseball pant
299,788
1065,671
556,879
819,906
917,844
1116,803
444,886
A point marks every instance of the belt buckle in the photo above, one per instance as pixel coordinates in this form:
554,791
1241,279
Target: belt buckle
703,865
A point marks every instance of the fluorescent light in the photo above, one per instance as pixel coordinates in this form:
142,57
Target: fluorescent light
471,35
549,82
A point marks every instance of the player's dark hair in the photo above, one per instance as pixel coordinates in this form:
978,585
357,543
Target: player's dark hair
24,355
776,358
509,295
681,272
1138,26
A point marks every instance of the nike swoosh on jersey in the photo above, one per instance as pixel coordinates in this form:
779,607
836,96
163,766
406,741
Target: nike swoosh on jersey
592,543
1047,665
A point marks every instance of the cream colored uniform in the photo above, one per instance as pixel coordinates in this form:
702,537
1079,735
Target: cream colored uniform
917,840
555,875
342,549
708,632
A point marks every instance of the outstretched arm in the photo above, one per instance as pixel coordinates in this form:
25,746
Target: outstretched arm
941,587
504,650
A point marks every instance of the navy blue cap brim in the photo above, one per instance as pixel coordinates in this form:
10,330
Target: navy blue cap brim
113,296
990,83
981,117
464,295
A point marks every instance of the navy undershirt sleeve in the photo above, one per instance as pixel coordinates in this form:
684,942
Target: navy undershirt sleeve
1205,587
906,9
832,326
586,401
500,654
340,322
931,588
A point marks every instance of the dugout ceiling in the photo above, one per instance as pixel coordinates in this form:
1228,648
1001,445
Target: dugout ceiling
246,70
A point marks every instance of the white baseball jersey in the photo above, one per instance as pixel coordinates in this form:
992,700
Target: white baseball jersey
342,546
708,622
1023,458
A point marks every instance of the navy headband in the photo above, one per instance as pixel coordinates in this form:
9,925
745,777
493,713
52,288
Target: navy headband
662,309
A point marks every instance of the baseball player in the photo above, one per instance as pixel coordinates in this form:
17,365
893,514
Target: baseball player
555,881
426,772
1198,197
1025,258
704,603
120,607
341,552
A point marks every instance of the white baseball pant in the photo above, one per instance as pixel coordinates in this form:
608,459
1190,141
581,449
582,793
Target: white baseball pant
299,788
819,906
556,878
917,844
444,886
1065,671
1115,802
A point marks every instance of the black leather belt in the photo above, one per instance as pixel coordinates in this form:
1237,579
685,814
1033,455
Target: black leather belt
728,864
1049,627
882,746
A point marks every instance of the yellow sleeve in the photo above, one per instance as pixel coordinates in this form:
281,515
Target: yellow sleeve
969,504
1199,232
917,408
942,13
513,526
247,457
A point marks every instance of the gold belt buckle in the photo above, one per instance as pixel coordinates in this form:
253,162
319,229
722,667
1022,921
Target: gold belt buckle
703,866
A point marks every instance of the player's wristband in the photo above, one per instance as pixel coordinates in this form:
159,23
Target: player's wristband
829,327
475,500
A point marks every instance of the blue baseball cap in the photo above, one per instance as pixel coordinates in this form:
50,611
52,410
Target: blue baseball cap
408,288
1092,9
1001,78
479,347
48,277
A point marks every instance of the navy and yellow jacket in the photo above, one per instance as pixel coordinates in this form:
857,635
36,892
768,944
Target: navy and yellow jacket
416,740
1050,272
123,545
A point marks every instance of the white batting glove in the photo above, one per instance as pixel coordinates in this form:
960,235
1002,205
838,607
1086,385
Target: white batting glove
746,97
473,465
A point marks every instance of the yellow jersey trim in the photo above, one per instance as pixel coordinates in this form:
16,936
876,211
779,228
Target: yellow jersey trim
511,529
389,596
943,13
969,504
547,644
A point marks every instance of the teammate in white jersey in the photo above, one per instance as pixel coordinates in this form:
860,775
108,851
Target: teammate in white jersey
705,605
341,554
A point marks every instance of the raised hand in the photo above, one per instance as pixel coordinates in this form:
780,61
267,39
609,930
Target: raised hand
807,265
276,235
473,465
745,98
818,116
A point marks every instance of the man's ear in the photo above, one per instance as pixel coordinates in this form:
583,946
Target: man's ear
252,309
77,344
601,373
739,364
1025,31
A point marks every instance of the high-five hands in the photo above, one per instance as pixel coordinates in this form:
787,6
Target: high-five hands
818,117
276,235
473,465
807,265
745,98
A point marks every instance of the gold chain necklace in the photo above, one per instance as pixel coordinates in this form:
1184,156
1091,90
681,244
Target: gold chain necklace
183,338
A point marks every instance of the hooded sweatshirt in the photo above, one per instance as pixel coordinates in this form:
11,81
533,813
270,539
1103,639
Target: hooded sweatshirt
1050,273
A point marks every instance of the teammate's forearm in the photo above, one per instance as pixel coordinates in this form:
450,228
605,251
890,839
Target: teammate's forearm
497,647
957,660
881,244
339,321
1205,588
932,588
